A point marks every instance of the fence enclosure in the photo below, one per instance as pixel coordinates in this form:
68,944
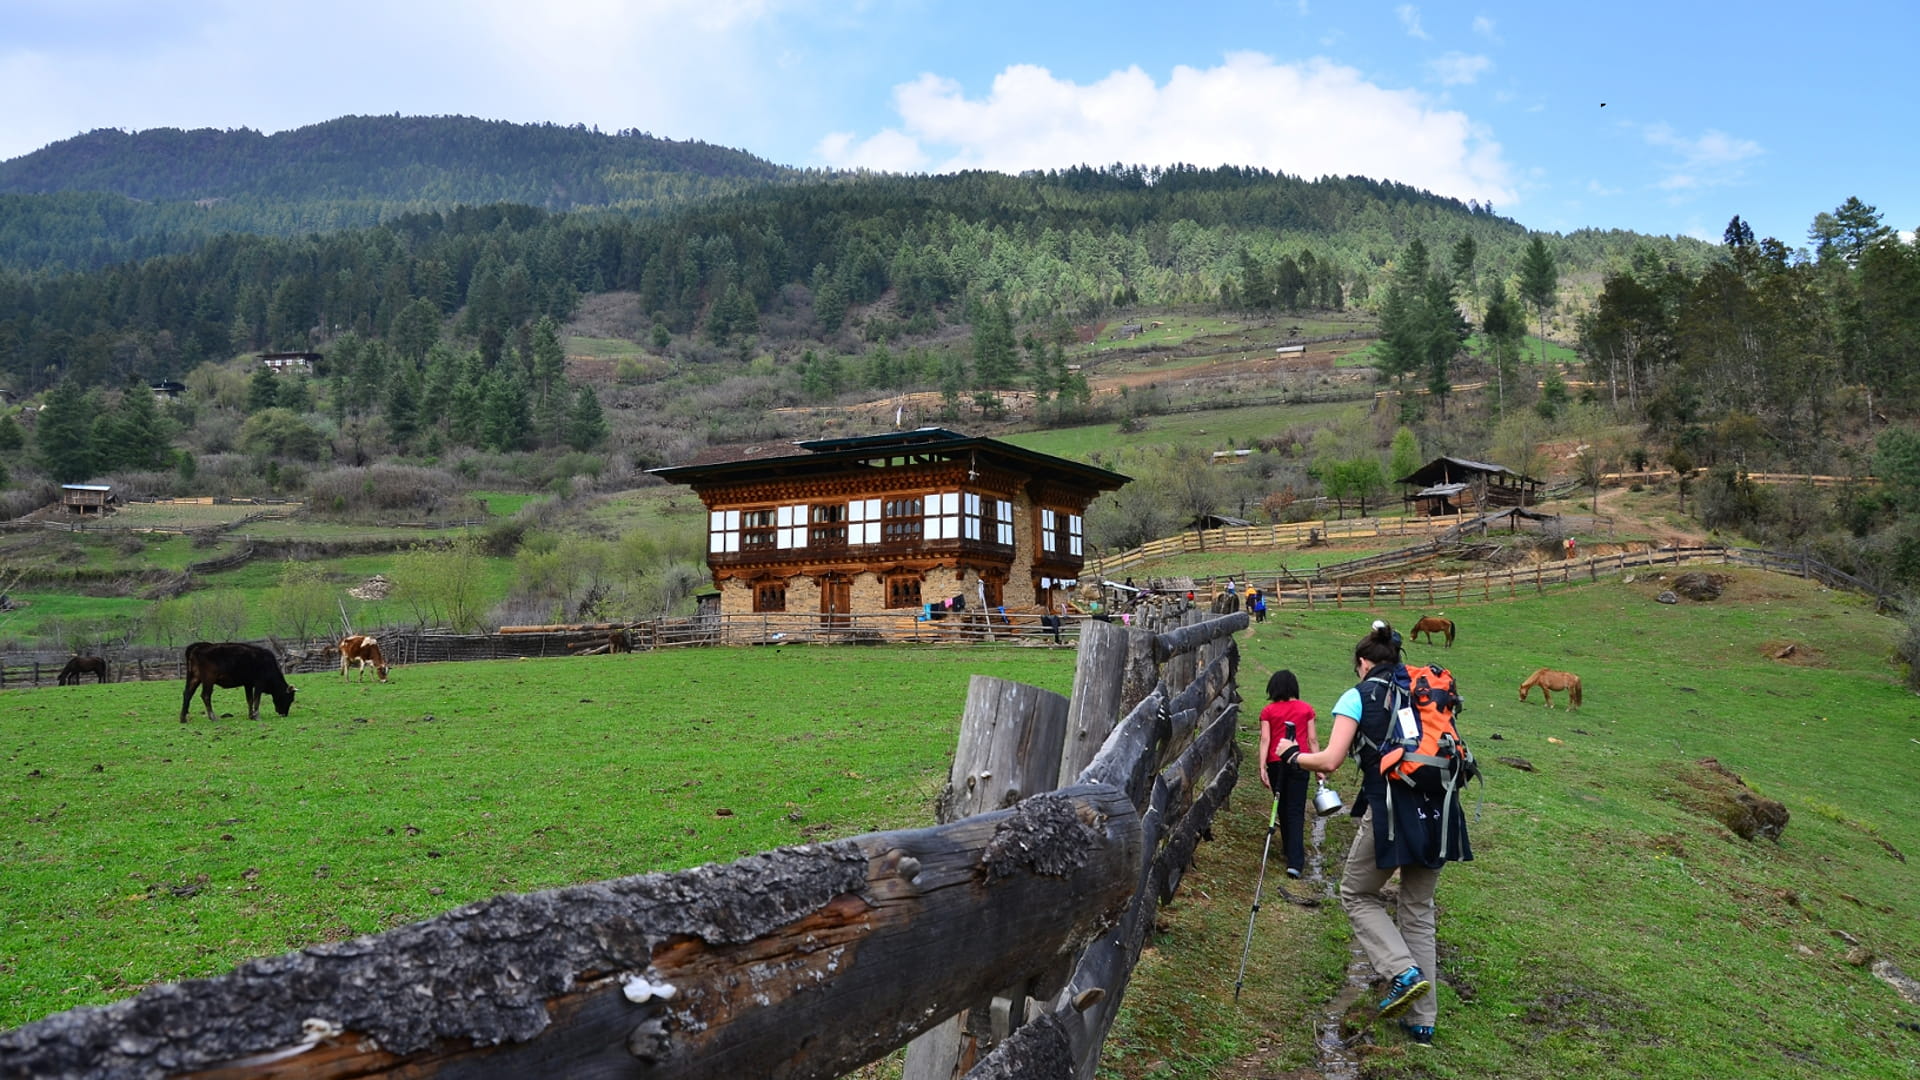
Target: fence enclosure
1028,916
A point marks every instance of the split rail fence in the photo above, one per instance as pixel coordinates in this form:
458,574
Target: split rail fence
1066,822
1266,536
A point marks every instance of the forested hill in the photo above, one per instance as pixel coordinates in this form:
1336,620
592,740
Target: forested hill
110,195
439,159
800,256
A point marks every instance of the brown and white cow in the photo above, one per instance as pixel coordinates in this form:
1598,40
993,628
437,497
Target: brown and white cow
235,663
364,650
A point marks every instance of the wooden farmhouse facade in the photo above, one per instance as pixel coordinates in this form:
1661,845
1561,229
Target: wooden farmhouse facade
894,523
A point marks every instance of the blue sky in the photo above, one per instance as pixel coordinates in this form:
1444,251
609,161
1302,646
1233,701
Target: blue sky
1767,110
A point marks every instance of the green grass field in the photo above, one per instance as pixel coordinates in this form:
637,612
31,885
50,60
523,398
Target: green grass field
1212,430
1607,926
140,849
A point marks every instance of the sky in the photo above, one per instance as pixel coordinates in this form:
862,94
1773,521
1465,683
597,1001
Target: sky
1660,117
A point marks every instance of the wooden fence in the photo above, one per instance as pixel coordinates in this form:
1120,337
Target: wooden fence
1511,581
1027,917
1265,536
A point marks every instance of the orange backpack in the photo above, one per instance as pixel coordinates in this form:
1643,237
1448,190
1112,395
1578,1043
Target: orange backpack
1423,749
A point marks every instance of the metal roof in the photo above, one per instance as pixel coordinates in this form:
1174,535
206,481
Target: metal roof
853,451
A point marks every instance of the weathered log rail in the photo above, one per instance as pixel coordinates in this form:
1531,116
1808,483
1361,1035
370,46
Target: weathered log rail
801,962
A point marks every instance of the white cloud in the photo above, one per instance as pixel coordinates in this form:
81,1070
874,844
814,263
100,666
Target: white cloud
1410,21
1710,159
1598,188
1312,119
1483,26
1459,69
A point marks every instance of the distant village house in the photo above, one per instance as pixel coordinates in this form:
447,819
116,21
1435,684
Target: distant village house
283,362
1448,485
894,522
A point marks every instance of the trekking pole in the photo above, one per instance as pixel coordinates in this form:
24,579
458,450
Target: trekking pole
1273,822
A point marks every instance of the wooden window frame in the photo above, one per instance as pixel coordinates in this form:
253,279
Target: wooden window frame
904,590
769,596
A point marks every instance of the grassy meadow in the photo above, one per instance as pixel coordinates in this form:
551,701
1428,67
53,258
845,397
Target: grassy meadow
1606,927
137,849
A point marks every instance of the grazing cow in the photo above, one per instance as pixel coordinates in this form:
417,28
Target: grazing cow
230,664
364,650
82,665
618,642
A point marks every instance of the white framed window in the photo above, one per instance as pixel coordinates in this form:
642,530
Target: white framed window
1073,534
723,532
970,505
863,521
942,516
1003,522
792,525
1049,531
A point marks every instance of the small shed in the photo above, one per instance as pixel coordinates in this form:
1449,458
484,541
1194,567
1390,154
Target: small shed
168,389
1449,485
86,498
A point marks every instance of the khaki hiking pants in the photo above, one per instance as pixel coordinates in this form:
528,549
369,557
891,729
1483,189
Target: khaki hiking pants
1405,937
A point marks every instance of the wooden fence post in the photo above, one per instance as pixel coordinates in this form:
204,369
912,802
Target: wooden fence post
1011,739
1114,672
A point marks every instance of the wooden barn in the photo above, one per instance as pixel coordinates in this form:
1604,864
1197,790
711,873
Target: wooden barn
894,523
87,498
1448,485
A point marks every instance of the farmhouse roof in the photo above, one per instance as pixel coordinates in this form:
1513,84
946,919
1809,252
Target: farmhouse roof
86,487
853,452
1447,470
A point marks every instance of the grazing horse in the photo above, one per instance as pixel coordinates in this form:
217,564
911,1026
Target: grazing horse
82,665
1430,624
363,650
1549,680
235,663
619,642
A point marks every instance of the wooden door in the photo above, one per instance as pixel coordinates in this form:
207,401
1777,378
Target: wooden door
835,594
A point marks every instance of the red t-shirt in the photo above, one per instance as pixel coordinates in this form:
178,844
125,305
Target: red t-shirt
1279,714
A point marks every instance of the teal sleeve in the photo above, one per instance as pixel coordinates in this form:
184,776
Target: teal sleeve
1349,704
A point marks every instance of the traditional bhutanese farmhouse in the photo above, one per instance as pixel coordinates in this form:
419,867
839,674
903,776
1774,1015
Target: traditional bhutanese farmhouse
1449,485
894,522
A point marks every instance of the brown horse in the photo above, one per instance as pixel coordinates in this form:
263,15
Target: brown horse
1432,624
1549,680
82,665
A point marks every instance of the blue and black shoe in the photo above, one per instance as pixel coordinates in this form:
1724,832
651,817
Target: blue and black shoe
1418,1034
1406,988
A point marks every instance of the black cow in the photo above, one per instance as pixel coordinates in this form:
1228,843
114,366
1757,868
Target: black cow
235,663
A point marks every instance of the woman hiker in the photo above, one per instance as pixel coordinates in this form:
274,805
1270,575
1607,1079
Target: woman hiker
1287,720
1400,835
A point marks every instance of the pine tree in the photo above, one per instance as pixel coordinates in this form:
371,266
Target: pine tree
142,438
586,425
263,392
63,434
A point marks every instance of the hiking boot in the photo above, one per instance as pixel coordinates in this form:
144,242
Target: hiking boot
1406,988
1293,872
1420,1034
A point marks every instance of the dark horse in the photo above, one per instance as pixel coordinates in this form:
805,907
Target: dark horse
1430,625
235,663
82,665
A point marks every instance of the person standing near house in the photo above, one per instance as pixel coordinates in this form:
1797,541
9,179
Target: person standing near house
1287,721
1399,835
